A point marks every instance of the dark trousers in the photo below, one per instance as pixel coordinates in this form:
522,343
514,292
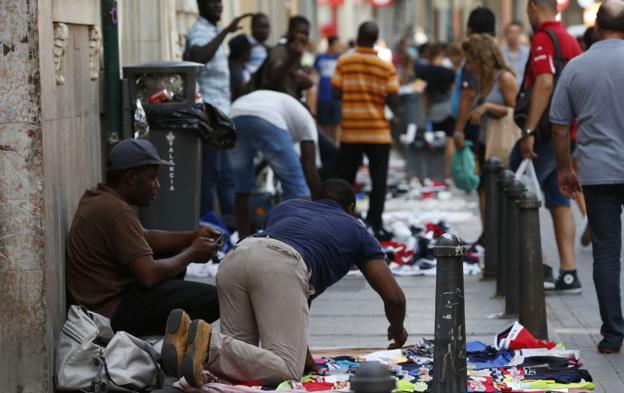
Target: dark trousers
347,163
604,207
217,180
143,311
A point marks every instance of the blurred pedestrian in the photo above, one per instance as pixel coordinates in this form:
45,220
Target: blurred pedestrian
497,89
365,84
240,51
282,70
438,93
270,123
260,31
516,53
590,90
204,44
480,21
539,81
327,107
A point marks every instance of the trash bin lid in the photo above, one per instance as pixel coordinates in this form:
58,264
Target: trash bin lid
162,67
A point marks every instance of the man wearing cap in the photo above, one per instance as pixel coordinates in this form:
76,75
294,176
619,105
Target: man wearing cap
114,265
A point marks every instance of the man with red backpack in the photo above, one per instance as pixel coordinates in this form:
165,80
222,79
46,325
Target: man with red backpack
551,48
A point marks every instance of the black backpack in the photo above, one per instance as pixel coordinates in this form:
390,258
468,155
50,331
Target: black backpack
523,100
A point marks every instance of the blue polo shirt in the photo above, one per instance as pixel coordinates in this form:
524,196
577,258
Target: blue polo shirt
329,240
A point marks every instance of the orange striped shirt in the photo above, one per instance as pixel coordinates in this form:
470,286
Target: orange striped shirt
364,80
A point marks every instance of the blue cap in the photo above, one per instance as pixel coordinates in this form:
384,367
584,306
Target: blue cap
132,153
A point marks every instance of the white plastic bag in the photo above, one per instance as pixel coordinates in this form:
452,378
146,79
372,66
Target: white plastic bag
526,174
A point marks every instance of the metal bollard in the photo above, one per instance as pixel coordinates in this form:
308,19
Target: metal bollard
449,356
372,377
512,296
532,313
502,181
492,169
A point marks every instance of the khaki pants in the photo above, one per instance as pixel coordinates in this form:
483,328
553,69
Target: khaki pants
263,288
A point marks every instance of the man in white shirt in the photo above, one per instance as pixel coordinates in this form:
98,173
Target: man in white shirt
271,123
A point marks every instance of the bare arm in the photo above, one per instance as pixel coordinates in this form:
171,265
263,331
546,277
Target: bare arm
561,145
466,101
378,275
204,54
167,243
308,164
540,97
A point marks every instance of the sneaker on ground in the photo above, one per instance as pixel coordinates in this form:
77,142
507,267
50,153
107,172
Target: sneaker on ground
549,278
605,347
568,283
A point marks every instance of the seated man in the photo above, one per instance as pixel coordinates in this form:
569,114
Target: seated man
265,286
270,123
111,267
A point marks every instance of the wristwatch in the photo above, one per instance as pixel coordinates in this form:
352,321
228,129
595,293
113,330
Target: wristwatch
527,133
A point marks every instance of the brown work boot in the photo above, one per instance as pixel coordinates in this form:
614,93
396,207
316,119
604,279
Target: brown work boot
175,343
197,352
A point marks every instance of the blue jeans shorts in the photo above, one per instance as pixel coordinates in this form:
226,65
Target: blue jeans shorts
546,170
256,135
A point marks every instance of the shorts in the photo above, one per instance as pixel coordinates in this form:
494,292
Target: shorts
546,170
328,113
256,135
447,125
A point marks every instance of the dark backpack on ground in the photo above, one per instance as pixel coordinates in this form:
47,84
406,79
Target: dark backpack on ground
523,100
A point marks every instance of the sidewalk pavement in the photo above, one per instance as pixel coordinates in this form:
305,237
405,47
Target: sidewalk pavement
351,315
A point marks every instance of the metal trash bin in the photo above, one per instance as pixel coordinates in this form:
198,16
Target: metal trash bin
170,85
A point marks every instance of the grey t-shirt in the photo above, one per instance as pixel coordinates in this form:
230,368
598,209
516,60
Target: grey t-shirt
517,61
591,90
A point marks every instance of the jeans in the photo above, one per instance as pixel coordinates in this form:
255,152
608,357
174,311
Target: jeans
144,311
216,179
347,163
604,209
256,135
546,170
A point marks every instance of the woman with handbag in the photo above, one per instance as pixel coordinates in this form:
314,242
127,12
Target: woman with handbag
493,111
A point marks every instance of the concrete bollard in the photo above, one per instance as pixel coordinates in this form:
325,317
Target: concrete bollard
372,377
502,181
512,296
492,169
532,313
449,356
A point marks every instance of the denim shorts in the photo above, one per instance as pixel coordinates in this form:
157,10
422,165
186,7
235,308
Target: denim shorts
256,135
546,170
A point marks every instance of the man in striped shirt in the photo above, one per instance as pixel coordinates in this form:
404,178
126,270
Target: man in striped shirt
365,84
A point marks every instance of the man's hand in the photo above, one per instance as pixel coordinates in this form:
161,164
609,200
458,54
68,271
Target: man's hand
569,183
234,25
398,335
203,249
206,232
526,147
304,79
459,138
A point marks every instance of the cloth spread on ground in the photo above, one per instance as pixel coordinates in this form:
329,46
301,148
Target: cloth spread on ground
489,370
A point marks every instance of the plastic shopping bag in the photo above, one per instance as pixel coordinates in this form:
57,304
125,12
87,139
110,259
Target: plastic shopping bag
463,169
526,174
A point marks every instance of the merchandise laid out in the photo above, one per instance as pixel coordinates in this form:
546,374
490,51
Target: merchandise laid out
516,362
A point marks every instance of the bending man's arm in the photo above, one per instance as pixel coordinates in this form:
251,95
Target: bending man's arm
308,164
378,275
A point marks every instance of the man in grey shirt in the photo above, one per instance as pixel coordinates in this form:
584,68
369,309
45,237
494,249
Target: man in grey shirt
590,91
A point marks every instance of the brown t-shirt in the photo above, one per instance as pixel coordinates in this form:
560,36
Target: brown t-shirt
105,235
283,83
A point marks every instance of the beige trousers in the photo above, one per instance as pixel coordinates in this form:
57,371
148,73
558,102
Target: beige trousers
263,288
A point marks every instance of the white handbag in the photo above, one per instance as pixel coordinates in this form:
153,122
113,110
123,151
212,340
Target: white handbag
91,359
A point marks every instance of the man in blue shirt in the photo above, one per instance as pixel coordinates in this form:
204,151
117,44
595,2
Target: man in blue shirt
266,283
327,107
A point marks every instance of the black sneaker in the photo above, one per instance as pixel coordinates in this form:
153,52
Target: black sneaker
568,282
549,278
